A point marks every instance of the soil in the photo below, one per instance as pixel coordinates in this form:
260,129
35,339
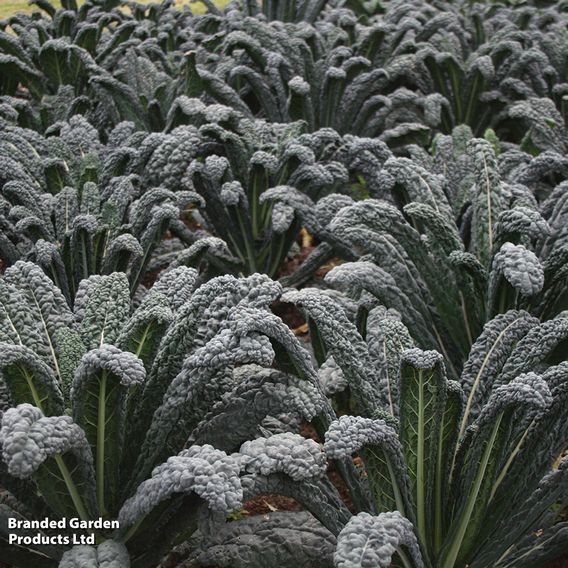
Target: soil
560,563
265,504
293,318
289,314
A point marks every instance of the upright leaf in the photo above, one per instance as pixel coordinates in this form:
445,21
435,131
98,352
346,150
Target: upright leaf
55,452
106,310
422,401
29,379
98,397
489,199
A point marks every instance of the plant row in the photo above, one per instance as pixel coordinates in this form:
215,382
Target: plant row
394,176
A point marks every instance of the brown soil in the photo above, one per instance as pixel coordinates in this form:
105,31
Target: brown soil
265,504
308,431
560,563
189,221
289,314
150,278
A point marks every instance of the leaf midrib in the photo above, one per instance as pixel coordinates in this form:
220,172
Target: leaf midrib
44,324
101,435
67,477
420,498
478,376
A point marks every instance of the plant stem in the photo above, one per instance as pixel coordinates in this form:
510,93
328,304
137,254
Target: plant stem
454,550
396,490
469,403
58,459
420,481
101,426
76,498
438,502
466,320
507,465
404,558
249,247
132,530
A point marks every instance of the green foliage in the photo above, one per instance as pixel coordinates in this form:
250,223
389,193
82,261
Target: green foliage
484,229
78,208
159,166
458,483
101,460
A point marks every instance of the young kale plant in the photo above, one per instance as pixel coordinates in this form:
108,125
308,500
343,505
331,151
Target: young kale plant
286,10
106,63
336,74
484,63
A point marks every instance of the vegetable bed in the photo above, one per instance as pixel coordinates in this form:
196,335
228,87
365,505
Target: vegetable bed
284,283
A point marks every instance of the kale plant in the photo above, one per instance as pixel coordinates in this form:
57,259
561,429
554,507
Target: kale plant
157,170
452,473
482,59
330,75
474,494
418,67
285,10
75,207
95,399
259,182
498,248
97,59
